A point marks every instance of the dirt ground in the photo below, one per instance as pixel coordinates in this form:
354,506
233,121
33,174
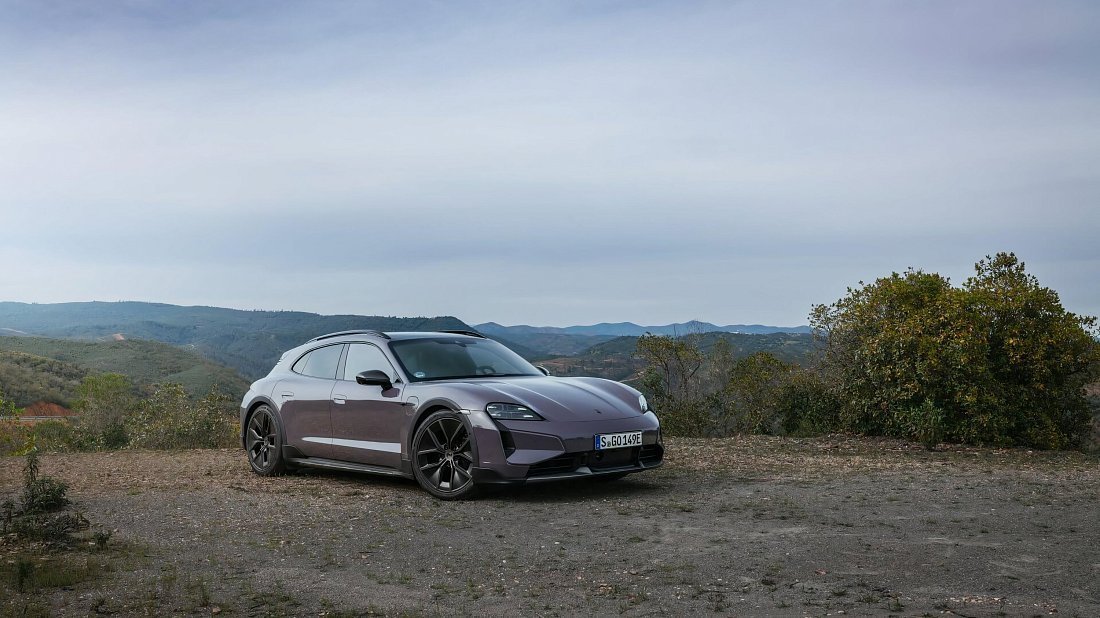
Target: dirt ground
748,526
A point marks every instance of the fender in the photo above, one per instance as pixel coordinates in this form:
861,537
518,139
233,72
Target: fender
246,414
421,412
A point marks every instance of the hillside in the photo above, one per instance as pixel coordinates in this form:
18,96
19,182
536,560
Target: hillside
37,368
248,341
545,345
615,359
25,379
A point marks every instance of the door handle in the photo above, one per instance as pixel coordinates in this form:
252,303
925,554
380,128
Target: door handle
287,395
340,399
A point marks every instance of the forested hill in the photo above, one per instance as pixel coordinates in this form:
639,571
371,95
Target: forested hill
37,368
617,359
249,341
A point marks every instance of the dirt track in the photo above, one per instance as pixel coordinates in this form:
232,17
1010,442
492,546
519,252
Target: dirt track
755,526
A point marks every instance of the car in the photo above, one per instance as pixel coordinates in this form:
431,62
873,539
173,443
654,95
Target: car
454,410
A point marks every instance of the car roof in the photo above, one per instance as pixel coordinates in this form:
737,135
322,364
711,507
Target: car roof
358,335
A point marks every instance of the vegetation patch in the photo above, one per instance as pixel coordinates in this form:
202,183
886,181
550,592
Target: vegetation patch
112,416
997,361
42,369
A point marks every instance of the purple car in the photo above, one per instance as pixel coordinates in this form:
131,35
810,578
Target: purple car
454,410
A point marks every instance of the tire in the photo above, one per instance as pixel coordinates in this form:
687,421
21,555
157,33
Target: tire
443,455
264,443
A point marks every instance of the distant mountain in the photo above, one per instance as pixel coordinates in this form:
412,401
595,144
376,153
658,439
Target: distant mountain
630,329
37,368
249,341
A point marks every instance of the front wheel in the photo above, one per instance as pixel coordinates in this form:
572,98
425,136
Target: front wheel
264,443
443,456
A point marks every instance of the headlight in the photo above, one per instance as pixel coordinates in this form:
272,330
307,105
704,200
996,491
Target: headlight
511,412
643,403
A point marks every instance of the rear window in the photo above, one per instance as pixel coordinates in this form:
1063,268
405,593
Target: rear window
320,363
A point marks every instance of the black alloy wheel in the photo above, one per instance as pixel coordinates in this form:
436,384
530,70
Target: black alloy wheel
444,456
264,444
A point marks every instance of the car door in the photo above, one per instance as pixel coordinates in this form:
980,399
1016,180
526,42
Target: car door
305,398
367,420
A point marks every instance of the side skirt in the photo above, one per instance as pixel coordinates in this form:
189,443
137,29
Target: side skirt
345,466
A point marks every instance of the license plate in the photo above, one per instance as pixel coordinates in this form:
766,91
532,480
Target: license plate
607,441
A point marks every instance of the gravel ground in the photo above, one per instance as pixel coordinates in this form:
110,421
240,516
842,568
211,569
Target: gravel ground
748,526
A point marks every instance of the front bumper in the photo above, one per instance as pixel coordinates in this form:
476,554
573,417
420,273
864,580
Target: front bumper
521,452
571,466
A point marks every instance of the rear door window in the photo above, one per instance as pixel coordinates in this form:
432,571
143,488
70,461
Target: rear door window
320,363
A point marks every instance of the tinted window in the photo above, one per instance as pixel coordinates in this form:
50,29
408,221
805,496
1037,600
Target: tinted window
364,357
320,363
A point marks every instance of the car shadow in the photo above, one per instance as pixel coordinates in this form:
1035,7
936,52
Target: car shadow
574,489
361,480
546,492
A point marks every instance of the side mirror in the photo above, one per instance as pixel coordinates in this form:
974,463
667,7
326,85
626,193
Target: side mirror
374,377
544,370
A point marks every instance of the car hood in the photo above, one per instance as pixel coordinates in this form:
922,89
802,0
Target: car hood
559,399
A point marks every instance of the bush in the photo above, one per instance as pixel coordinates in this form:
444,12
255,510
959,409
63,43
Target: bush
40,515
169,419
996,361
41,494
104,402
716,395
7,408
806,405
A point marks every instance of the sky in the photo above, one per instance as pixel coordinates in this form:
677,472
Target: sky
547,163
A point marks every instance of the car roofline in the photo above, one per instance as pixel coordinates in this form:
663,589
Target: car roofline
398,335
376,333
469,333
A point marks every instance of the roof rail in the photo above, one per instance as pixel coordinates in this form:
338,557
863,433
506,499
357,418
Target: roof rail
377,333
472,333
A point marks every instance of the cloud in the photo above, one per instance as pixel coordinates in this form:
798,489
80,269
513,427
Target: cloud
604,161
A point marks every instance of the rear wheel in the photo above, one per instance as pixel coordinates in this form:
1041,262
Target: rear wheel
443,456
264,444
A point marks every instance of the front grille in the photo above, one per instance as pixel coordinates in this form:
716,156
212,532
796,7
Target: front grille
615,458
651,454
648,454
557,465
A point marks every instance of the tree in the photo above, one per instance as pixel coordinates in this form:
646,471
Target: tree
997,361
748,398
671,377
1041,357
7,408
104,401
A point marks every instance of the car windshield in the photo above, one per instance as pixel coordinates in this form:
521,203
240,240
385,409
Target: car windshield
441,358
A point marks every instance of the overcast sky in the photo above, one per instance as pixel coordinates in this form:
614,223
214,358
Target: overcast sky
542,162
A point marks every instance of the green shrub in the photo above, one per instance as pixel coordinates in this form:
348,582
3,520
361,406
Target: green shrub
56,436
41,494
997,361
169,419
41,514
716,395
806,405
926,423
104,401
